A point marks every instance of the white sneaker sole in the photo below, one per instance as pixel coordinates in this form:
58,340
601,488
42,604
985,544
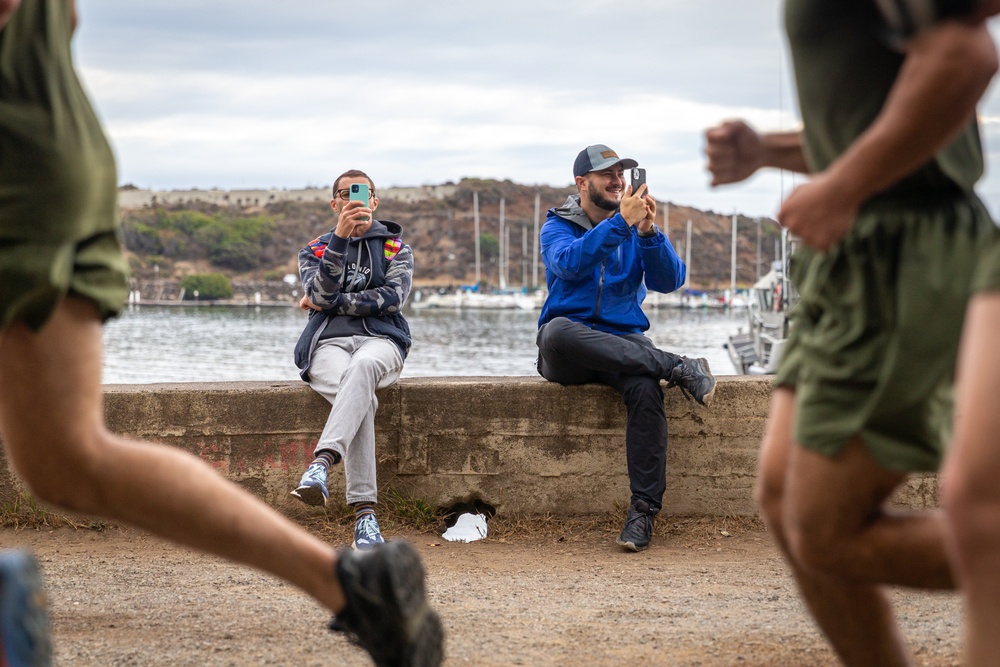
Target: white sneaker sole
310,495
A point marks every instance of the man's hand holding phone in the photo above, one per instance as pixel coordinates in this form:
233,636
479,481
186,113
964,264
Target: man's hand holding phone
355,215
633,207
352,216
646,226
636,195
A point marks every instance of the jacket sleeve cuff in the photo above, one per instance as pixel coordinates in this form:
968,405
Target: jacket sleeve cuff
651,241
337,244
618,220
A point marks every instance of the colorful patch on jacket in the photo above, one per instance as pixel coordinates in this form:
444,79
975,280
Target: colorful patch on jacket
392,247
317,247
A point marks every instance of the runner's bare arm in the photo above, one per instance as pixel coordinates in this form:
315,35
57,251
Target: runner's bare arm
735,151
945,72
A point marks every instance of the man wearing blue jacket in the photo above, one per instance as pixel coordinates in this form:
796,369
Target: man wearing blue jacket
601,252
356,279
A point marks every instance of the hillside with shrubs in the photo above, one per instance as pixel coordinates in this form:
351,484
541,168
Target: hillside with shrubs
255,247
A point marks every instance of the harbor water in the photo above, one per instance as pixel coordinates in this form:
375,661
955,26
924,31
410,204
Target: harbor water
150,344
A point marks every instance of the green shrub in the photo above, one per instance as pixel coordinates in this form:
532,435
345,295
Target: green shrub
208,285
274,275
236,243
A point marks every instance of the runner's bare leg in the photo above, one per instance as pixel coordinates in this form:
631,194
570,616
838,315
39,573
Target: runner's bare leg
971,495
52,424
856,616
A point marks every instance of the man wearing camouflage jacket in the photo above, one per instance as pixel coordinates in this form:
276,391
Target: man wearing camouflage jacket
356,279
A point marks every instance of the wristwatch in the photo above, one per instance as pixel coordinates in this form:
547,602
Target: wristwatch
651,233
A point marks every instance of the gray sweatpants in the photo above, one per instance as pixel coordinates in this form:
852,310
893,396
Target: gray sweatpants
346,372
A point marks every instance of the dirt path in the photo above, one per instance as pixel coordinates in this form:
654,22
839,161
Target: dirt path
567,597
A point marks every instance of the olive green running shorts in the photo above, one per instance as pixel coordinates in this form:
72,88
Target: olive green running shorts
874,338
36,277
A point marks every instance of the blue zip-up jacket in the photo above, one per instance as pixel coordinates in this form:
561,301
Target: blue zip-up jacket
598,274
361,286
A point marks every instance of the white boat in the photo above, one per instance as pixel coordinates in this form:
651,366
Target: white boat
758,350
499,301
480,301
425,300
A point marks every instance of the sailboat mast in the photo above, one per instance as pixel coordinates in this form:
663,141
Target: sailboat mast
534,254
524,256
732,266
687,255
475,217
503,250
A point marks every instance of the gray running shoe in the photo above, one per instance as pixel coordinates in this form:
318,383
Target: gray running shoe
387,612
694,378
367,534
312,487
638,530
24,622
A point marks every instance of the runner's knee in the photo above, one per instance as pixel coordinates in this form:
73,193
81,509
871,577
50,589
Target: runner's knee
769,495
769,490
67,473
818,548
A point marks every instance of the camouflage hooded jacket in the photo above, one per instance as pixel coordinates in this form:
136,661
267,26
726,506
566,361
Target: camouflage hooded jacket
360,286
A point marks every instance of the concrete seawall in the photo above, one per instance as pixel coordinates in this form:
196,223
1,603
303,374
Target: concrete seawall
519,443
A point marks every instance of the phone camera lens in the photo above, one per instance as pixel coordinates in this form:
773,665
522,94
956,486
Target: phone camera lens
355,188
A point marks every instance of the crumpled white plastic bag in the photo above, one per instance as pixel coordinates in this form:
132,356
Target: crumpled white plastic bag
467,528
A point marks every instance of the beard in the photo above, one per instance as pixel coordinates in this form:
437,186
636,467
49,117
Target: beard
602,202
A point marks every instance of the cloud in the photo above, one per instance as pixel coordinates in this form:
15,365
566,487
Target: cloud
247,93
415,131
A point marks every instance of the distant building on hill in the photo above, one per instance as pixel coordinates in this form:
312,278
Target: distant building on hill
130,197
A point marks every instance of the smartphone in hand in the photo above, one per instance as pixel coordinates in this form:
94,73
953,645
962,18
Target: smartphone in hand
638,178
359,192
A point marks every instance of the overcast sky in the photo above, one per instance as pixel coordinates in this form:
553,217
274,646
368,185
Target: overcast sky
252,94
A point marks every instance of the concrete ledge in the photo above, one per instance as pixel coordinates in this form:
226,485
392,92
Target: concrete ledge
520,443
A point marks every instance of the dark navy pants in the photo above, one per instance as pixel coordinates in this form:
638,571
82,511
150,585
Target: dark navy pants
573,353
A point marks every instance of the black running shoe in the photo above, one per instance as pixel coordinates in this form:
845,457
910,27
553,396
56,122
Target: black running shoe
387,612
638,530
694,378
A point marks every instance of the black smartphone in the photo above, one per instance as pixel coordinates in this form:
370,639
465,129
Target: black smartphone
638,178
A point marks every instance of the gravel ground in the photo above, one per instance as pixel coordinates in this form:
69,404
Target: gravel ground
704,593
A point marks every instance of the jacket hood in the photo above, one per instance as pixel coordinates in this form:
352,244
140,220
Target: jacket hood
380,229
386,229
573,212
